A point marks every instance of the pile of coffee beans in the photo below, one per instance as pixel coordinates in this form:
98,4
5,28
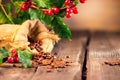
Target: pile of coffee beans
46,59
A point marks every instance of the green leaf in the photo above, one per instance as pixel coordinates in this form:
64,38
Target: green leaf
33,14
3,18
3,54
21,17
49,3
18,0
60,28
76,2
61,14
40,3
8,7
58,3
25,57
27,63
53,21
5,13
1,60
38,14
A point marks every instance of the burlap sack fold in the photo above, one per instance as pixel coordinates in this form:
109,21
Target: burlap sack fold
16,36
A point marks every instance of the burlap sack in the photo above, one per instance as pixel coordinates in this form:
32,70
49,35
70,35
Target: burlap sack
16,36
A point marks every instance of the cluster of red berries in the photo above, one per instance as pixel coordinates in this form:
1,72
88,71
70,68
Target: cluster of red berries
14,57
26,5
73,8
55,10
52,11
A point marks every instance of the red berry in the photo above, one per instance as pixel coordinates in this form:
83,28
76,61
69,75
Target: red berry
24,6
13,51
45,11
16,59
67,2
82,1
10,59
72,4
75,10
29,3
68,15
50,12
69,10
55,9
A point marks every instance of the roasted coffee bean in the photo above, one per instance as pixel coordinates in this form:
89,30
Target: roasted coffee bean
47,59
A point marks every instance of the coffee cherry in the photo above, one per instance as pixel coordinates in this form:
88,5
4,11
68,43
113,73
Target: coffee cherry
45,11
67,2
24,6
75,10
55,9
82,1
29,3
68,15
50,12
10,60
69,10
72,4
16,59
13,51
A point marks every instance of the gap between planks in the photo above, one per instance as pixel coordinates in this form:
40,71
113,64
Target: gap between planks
76,50
103,47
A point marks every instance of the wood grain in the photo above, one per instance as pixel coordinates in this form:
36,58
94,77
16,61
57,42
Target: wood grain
103,47
75,50
13,73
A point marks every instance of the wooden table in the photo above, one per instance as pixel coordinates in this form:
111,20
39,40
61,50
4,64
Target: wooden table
88,52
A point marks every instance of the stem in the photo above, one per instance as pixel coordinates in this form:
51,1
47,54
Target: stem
6,13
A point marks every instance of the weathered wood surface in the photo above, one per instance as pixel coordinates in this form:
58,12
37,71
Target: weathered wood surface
103,47
75,50
15,73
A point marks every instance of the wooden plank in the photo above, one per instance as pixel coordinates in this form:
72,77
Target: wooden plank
75,50
15,73
114,39
103,47
7,65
